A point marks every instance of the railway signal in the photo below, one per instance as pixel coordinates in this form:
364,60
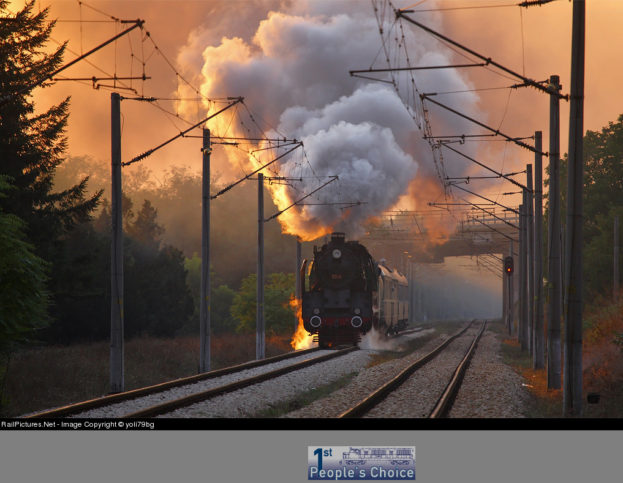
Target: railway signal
508,266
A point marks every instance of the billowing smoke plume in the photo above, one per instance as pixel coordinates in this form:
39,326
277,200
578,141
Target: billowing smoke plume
346,139
293,74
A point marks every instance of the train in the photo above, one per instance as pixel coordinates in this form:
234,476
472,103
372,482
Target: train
346,293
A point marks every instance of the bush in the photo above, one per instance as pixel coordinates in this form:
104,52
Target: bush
278,291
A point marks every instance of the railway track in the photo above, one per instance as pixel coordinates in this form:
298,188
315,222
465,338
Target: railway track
112,399
170,408
371,403
171,397
444,403
410,331
203,396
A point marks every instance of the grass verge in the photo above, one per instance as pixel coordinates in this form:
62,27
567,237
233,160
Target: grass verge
544,402
602,361
46,377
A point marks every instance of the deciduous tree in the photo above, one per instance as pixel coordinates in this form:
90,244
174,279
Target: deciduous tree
602,201
278,291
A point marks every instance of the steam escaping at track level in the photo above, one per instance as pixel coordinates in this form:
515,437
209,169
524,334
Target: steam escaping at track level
375,340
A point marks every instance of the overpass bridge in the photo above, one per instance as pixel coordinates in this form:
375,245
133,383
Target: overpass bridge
419,252
400,241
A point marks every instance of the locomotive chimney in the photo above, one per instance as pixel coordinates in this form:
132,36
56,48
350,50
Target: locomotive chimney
338,238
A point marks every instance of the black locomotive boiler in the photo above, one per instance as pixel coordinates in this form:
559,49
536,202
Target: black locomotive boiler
346,293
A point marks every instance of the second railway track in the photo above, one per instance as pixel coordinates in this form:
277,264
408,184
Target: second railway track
199,398
426,387
220,380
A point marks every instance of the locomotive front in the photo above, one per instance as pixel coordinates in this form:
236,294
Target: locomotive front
338,304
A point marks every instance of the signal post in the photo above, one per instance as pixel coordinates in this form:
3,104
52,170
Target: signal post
508,275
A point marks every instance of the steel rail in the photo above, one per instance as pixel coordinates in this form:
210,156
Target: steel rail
382,392
414,330
444,404
170,406
144,391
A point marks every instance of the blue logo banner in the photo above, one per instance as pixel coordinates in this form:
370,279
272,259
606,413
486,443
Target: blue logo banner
361,463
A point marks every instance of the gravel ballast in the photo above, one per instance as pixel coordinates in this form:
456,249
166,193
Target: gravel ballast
127,407
491,389
249,401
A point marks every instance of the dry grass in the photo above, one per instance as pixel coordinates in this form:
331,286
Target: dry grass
545,403
602,361
46,377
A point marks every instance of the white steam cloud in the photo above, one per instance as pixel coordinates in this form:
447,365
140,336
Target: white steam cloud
294,75
371,167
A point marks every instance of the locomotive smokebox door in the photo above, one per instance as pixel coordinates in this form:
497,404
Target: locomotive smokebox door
337,299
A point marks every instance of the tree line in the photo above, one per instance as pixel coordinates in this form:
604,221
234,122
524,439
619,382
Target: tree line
55,243
602,202
55,228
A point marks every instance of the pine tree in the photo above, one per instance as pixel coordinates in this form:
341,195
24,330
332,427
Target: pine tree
23,296
33,145
145,228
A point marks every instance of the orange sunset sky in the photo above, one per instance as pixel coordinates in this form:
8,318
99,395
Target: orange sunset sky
534,41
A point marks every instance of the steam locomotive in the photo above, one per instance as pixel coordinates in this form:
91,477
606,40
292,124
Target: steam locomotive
346,293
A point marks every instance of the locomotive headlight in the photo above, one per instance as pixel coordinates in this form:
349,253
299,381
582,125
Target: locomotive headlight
356,321
315,321
357,310
337,253
316,311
